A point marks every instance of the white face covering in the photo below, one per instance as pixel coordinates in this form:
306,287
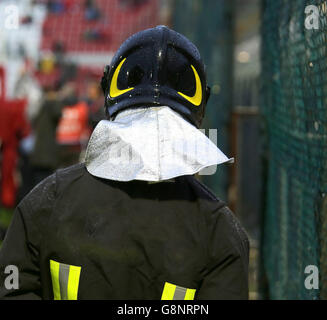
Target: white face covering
150,144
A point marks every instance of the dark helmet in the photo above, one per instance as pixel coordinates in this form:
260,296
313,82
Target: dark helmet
156,67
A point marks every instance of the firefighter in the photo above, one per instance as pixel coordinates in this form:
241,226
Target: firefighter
132,221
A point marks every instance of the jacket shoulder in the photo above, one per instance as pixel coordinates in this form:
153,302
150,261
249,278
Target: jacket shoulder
42,197
218,211
203,192
66,176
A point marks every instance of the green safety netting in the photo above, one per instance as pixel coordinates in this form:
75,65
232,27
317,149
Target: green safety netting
294,108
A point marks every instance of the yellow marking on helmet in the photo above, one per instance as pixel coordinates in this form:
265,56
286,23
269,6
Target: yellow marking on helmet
114,91
197,98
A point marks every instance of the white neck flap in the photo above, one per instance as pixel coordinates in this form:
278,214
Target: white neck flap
150,144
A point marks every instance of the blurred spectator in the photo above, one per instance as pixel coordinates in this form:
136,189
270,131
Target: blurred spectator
47,63
55,6
91,10
73,131
67,69
95,101
45,156
26,20
28,88
132,4
94,35
13,127
58,49
68,73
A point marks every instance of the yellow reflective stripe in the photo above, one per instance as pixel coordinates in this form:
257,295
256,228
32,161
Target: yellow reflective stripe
168,291
189,295
73,282
54,269
65,280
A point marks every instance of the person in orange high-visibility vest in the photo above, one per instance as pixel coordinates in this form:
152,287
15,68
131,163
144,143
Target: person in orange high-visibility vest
73,129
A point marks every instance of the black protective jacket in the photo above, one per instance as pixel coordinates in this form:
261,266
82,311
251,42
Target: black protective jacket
78,236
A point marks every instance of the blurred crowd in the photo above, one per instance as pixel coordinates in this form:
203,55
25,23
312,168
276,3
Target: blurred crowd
57,116
50,102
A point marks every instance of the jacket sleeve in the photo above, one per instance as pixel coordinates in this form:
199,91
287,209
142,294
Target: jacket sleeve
19,251
21,246
226,275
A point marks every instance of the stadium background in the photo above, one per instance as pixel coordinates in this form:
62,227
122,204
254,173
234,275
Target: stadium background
268,84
